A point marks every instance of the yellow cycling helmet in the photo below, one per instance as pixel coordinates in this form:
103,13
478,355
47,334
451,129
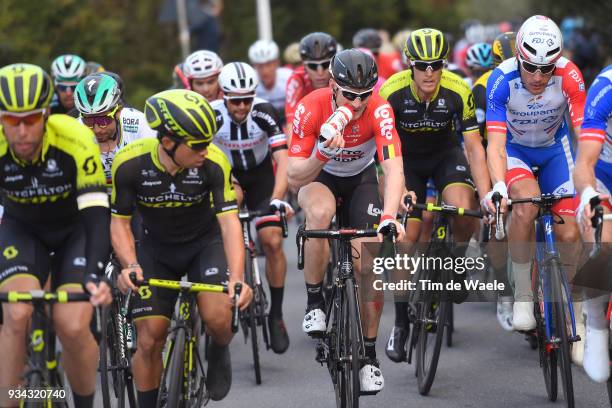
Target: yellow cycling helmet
504,47
24,87
426,44
183,115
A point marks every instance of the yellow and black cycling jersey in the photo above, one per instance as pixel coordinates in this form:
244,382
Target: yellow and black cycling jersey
50,192
480,101
429,127
177,208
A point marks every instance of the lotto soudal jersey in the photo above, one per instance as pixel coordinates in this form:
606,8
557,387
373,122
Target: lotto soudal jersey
247,144
372,133
429,127
45,193
177,208
597,123
534,120
298,86
131,125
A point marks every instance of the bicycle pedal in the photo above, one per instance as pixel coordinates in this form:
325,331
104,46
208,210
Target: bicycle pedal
364,393
318,335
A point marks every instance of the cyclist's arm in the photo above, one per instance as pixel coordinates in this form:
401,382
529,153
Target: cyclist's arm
478,162
584,171
394,184
233,245
498,96
574,90
302,171
304,164
123,241
497,156
280,177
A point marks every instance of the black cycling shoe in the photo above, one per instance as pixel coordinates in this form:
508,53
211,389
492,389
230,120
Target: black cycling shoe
219,373
279,339
460,296
396,346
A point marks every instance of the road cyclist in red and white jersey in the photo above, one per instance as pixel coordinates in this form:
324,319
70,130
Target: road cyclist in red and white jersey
202,69
341,165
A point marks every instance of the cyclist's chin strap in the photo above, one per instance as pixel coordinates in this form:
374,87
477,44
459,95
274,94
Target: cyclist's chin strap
171,152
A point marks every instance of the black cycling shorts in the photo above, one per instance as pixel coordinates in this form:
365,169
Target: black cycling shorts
357,197
258,185
203,260
446,168
28,251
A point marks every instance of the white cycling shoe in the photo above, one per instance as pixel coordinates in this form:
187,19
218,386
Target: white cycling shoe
314,322
505,312
578,346
522,315
596,360
371,379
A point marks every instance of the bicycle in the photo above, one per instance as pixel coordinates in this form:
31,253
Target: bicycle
341,346
183,381
553,308
430,309
43,372
117,346
256,314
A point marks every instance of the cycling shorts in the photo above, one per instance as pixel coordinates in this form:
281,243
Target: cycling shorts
555,165
603,176
27,251
357,196
203,260
258,185
446,168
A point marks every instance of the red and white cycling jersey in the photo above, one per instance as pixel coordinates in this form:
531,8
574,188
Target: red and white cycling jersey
372,133
298,86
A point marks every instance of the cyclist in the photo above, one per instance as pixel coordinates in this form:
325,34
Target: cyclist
479,59
181,186
179,79
316,51
251,137
54,201
426,100
343,167
527,98
503,48
93,67
202,70
273,78
593,177
388,63
291,56
66,71
97,98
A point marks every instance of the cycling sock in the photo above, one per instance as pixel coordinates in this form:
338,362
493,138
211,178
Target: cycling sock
501,274
83,401
315,293
522,282
276,301
147,398
595,310
370,347
401,314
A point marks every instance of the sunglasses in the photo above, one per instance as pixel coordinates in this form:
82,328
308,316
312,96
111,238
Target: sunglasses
314,65
66,87
533,68
28,118
197,145
237,101
425,65
101,120
351,96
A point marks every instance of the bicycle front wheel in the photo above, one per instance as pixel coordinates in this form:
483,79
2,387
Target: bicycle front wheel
170,392
433,316
251,317
350,348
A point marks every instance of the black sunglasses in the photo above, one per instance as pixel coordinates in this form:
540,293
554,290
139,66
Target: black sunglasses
533,68
65,87
315,65
238,101
424,65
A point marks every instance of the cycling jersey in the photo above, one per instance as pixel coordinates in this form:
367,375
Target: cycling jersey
389,63
49,192
373,132
534,120
429,127
298,86
480,101
276,95
247,144
177,208
131,125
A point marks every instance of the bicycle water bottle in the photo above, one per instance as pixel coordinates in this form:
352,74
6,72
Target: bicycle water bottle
337,122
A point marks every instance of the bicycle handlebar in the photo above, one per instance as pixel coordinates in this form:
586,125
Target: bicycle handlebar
500,233
543,200
444,208
248,215
61,296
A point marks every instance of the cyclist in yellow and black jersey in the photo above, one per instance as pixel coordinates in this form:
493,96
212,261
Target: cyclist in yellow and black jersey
427,100
55,201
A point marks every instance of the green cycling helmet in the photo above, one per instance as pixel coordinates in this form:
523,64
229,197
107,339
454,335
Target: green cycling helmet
97,93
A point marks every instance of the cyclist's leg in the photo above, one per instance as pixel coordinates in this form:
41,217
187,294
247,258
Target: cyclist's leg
22,260
318,201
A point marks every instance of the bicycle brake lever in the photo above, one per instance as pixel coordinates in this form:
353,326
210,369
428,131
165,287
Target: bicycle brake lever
235,310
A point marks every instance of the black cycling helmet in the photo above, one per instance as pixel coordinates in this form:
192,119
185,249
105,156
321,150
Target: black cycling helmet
317,46
367,38
354,69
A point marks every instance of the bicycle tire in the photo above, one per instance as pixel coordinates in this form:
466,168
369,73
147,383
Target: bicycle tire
104,357
252,322
34,380
451,326
435,310
561,328
171,382
351,344
548,356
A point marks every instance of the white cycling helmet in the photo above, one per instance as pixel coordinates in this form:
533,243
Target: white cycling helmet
202,64
238,77
539,41
263,51
68,68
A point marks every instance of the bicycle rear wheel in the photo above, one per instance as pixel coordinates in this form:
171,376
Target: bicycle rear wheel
433,317
350,348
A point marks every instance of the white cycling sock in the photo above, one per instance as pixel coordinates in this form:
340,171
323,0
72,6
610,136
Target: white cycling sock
596,312
522,282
